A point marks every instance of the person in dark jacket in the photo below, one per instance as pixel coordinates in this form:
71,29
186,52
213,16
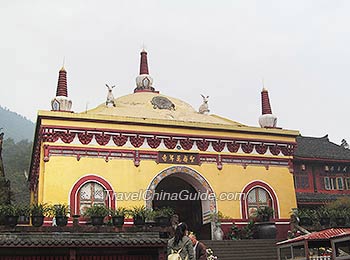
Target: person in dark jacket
181,242
200,250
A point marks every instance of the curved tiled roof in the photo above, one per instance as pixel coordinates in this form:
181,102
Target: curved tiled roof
320,235
318,197
64,239
320,148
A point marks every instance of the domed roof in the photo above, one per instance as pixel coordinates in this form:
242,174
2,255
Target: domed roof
152,105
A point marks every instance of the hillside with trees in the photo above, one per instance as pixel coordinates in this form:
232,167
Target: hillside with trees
16,152
15,126
16,160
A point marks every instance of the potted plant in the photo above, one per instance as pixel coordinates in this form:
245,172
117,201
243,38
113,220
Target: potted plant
60,213
2,214
162,216
11,213
118,216
264,214
23,213
96,213
264,229
38,211
138,214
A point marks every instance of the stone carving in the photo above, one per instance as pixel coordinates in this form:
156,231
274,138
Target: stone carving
110,97
162,103
204,108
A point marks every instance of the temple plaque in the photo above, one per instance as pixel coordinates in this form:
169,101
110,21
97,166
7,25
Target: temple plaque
178,158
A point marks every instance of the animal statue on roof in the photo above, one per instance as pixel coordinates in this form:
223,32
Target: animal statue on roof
110,98
204,108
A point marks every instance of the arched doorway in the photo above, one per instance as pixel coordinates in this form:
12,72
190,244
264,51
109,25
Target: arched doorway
171,190
189,193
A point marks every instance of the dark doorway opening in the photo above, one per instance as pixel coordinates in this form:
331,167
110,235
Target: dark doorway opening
187,205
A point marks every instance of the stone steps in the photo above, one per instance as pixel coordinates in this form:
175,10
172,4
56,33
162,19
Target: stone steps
261,249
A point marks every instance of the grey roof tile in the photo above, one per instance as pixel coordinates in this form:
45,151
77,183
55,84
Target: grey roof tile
320,148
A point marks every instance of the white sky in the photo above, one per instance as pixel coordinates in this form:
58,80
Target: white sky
218,48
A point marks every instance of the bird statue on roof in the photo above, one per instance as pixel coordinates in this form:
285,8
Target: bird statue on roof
204,108
110,97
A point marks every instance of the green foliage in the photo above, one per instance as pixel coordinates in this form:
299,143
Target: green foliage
119,212
139,211
14,210
246,232
39,209
16,160
323,212
339,204
96,211
264,213
305,212
164,212
58,210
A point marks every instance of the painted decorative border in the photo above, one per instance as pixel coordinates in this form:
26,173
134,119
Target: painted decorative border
150,140
114,138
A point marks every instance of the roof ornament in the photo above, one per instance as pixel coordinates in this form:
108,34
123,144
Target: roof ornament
162,103
267,119
204,108
110,98
144,81
344,144
61,101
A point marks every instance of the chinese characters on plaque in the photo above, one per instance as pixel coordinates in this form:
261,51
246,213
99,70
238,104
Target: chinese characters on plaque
178,158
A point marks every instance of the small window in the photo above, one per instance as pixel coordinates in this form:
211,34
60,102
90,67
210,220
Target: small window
327,184
333,183
340,184
347,183
90,194
257,198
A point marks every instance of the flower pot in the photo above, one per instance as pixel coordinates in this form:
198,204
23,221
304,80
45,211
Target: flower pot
325,221
139,221
37,221
11,221
340,221
61,221
118,221
97,220
265,230
162,221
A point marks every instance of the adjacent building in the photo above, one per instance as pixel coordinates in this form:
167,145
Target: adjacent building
321,171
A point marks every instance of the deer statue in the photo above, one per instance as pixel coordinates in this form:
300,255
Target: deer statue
110,97
204,108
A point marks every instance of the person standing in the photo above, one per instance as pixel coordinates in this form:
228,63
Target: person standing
181,243
200,250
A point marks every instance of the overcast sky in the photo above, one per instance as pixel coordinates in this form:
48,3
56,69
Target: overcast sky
218,48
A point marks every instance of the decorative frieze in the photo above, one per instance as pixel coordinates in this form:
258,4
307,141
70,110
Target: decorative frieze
169,141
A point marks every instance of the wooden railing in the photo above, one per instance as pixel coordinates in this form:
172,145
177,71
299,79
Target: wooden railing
320,258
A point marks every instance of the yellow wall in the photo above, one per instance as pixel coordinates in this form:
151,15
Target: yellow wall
61,173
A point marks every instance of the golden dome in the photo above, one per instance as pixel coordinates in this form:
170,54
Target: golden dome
152,105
